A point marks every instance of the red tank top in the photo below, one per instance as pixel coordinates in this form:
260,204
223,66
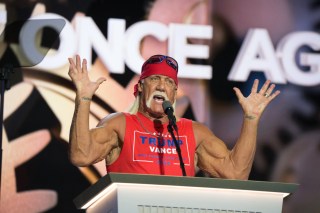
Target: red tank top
149,148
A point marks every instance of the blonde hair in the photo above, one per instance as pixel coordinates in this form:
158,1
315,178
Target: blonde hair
133,109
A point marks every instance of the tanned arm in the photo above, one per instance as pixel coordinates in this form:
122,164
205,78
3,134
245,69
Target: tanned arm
89,146
213,155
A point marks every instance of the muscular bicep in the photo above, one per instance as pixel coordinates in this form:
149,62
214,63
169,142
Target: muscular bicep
107,137
213,156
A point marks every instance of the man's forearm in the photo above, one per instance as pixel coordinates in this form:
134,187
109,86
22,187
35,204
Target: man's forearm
245,148
79,143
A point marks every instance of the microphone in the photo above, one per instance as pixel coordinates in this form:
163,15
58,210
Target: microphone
168,109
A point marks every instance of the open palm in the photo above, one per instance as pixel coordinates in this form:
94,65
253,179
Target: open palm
257,101
79,74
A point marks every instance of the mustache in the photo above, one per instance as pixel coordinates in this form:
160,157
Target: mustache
160,93
163,94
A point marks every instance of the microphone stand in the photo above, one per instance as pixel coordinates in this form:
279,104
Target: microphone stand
170,129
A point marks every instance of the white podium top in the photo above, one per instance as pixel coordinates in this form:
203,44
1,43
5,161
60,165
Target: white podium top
196,187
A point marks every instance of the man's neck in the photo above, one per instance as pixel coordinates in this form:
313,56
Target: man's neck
163,118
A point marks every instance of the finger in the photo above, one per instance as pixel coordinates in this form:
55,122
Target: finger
78,63
84,66
72,69
269,90
238,93
101,80
264,87
273,95
71,62
254,88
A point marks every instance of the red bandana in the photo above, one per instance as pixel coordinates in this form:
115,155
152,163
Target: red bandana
157,69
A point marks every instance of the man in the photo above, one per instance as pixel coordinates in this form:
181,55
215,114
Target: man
139,142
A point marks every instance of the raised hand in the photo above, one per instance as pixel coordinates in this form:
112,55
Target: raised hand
78,73
254,105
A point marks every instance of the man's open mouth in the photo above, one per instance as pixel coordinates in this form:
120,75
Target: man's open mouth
158,98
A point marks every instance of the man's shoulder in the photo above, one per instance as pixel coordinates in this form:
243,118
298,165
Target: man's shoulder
188,120
115,115
112,117
190,123
197,125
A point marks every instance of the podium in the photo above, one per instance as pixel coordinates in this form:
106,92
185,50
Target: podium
133,193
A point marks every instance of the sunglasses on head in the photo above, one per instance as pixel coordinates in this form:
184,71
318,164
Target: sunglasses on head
156,59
